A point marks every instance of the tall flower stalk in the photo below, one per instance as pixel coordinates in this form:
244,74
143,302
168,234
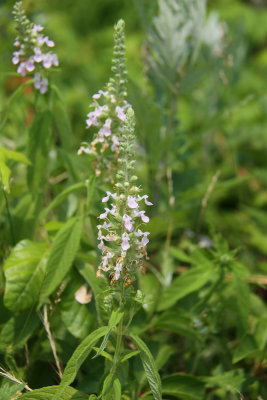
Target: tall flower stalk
121,238
108,112
32,52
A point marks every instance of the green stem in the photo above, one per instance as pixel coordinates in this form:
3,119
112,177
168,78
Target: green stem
116,358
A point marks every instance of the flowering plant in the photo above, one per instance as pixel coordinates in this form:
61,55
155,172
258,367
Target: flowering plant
33,50
108,118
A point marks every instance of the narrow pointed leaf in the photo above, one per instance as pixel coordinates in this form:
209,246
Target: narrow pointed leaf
77,358
62,254
149,367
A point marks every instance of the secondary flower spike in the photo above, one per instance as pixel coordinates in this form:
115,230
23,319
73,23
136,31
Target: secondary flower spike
33,50
121,238
108,111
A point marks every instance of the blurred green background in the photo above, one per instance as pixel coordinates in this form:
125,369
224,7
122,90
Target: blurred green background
222,114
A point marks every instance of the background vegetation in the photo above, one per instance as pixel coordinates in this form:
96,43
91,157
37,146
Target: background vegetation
201,157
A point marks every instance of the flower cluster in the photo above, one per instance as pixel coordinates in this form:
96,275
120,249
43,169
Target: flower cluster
121,239
32,52
108,111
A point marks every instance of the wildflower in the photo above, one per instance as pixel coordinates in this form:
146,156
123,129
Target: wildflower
122,240
32,54
108,111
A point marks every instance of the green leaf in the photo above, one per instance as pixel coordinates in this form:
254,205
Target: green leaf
62,254
247,348
115,318
99,287
4,173
14,155
107,387
48,392
180,255
172,321
5,156
38,148
24,272
61,197
230,381
77,358
62,124
130,354
17,330
184,387
149,285
75,316
186,283
242,299
117,389
261,333
149,367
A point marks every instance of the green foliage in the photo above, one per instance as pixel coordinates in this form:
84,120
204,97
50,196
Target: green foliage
193,323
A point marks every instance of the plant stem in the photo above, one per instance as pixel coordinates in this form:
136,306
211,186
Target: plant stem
117,354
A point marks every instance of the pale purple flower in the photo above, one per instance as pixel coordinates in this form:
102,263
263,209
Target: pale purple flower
106,198
105,214
49,42
38,55
37,28
106,128
91,120
128,222
132,202
16,43
145,239
43,85
148,203
115,141
113,209
99,94
22,70
120,113
29,64
17,54
49,60
125,245
117,270
144,218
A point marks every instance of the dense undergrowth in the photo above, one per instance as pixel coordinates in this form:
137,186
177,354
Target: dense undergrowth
134,252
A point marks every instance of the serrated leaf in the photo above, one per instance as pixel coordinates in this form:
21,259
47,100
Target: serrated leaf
38,149
149,367
184,387
77,358
17,330
186,283
48,392
62,254
247,348
24,272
